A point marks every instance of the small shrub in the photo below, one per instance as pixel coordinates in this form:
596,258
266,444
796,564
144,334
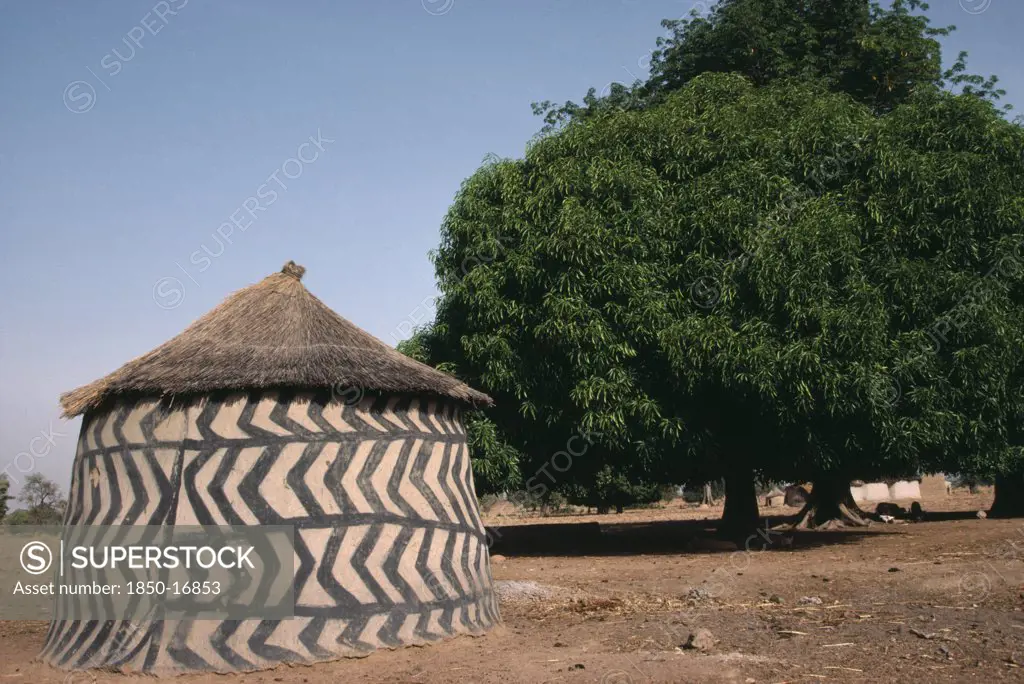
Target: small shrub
554,502
487,502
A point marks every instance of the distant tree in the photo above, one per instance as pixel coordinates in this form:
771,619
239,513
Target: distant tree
41,492
5,485
43,500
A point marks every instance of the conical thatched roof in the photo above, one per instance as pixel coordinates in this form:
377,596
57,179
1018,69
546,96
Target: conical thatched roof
271,334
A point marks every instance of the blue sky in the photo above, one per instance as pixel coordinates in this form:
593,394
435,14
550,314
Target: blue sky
131,132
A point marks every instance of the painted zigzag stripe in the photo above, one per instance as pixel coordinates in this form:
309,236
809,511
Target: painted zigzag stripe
279,484
265,416
370,478
241,645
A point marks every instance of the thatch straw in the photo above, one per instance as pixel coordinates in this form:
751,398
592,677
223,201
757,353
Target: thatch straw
274,334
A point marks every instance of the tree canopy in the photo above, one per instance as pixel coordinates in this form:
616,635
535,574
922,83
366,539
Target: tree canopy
793,251
878,54
745,279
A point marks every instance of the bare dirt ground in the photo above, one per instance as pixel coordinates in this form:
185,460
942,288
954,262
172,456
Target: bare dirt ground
935,601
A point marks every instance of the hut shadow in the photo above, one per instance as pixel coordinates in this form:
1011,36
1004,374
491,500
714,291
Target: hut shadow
655,537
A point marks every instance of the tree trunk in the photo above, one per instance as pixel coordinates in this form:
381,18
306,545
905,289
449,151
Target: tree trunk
741,517
709,500
1009,502
830,505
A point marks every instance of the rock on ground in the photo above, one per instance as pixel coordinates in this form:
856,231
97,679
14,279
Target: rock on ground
701,640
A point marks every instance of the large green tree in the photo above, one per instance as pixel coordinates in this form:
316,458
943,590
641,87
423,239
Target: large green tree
741,281
879,54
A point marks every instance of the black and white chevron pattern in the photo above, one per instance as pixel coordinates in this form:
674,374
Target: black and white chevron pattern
390,549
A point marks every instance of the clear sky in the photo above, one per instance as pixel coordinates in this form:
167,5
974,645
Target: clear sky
132,131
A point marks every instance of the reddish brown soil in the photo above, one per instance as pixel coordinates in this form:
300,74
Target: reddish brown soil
920,602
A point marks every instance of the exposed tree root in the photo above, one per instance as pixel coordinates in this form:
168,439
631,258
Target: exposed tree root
830,506
811,517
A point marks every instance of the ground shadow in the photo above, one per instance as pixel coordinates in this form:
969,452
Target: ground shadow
655,537
943,516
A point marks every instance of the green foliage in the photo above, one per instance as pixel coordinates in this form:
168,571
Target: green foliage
5,485
613,488
37,516
416,346
20,517
495,463
877,54
744,276
949,194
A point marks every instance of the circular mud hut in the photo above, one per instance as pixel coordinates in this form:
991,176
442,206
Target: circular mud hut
273,410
